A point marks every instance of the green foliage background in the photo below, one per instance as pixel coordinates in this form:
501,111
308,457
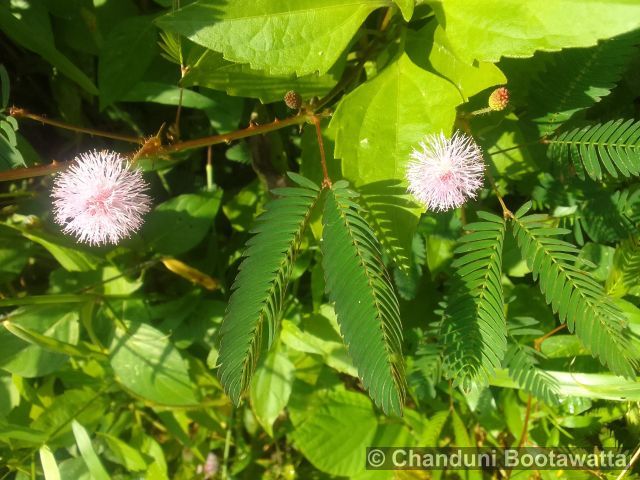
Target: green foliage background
273,324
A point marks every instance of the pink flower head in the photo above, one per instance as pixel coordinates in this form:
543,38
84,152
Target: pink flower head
98,199
444,173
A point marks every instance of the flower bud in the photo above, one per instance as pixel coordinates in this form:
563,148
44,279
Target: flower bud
293,99
499,99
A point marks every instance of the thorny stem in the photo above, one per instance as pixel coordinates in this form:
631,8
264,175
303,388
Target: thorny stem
250,131
153,146
22,113
326,181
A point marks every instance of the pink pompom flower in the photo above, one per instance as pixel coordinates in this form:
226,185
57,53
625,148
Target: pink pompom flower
445,172
99,199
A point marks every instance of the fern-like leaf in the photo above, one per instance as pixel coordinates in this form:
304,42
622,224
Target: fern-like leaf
613,147
365,302
473,328
259,288
576,78
625,271
522,362
573,294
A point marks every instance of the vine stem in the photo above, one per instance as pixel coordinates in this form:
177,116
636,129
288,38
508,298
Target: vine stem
153,146
326,181
22,113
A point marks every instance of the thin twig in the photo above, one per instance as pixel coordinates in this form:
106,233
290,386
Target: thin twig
231,136
525,427
537,343
633,460
326,181
22,113
506,213
153,146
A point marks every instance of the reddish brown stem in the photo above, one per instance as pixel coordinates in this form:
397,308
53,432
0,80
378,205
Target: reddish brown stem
326,181
22,113
229,137
525,427
537,343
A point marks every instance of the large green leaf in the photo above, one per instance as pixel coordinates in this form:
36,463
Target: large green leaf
378,124
280,36
59,322
126,54
489,29
213,71
365,302
190,216
469,78
335,434
271,388
147,363
31,39
259,288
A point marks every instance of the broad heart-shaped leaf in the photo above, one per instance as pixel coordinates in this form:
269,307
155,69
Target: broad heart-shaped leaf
279,36
259,288
127,52
149,365
379,123
213,71
486,30
469,78
365,302
334,433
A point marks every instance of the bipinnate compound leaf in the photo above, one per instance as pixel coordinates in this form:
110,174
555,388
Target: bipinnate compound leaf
486,30
473,328
259,289
612,147
365,302
522,362
581,77
573,294
279,36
